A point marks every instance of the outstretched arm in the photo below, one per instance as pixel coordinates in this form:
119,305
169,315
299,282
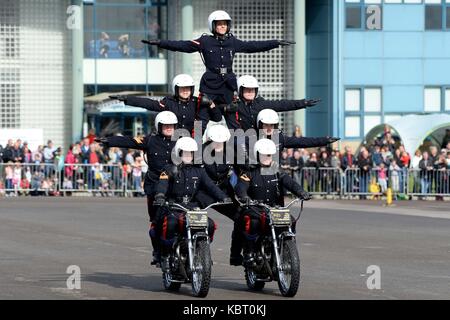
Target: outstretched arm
255,46
306,142
180,45
288,105
124,142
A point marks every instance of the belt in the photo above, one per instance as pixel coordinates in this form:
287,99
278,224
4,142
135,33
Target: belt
221,71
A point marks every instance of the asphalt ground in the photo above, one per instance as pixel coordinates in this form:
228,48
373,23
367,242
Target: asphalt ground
107,238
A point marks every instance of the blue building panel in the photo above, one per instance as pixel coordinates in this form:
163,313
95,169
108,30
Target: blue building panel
403,45
403,99
318,72
403,72
408,17
437,72
359,72
363,45
436,44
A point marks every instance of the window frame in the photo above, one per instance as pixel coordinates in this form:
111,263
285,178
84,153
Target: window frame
362,112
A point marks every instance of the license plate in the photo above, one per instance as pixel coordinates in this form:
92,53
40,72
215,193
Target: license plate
281,217
197,219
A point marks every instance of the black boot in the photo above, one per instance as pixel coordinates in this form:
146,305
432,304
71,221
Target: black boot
236,258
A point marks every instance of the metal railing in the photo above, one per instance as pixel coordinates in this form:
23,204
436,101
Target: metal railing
114,179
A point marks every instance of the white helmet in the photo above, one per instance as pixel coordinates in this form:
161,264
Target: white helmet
264,146
185,144
165,117
182,80
267,116
218,16
247,82
218,133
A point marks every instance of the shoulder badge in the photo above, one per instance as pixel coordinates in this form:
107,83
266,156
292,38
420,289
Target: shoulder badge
138,140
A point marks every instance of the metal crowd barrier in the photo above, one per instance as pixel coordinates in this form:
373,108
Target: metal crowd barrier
428,183
30,178
321,181
105,179
113,179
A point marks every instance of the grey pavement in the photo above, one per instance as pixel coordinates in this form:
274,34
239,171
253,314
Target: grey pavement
108,239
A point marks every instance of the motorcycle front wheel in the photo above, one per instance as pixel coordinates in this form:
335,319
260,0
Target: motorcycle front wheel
201,275
289,275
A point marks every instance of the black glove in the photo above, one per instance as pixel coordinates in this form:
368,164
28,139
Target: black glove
305,195
285,42
160,199
205,101
118,97
333,139
312,102
103,141
155,42
232,108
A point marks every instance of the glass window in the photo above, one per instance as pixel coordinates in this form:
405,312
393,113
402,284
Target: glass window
121,1
372,100
88,19
352,100
433,17
447,11
114,45
432,99
447,99
353,17
371,122
120,18
352,127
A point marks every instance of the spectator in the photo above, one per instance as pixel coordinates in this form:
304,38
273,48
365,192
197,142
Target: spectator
310,172
124,45
70,160
84,151
7,151
16,151
298,132
137,175
440,167
17,175
416,170
285,164
382,177
297,164
38,155
426,167
91,136
49,152
365,166
348,164
27,155
104,45
386,154
9,175
446,140
1,153
394,172
376,156
324,173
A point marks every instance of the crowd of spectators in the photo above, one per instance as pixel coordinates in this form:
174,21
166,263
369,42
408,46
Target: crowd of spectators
87,166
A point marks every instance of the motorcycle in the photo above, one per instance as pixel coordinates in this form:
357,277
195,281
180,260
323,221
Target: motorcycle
188,260
274,255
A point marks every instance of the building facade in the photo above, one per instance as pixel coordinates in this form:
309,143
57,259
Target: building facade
374,61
